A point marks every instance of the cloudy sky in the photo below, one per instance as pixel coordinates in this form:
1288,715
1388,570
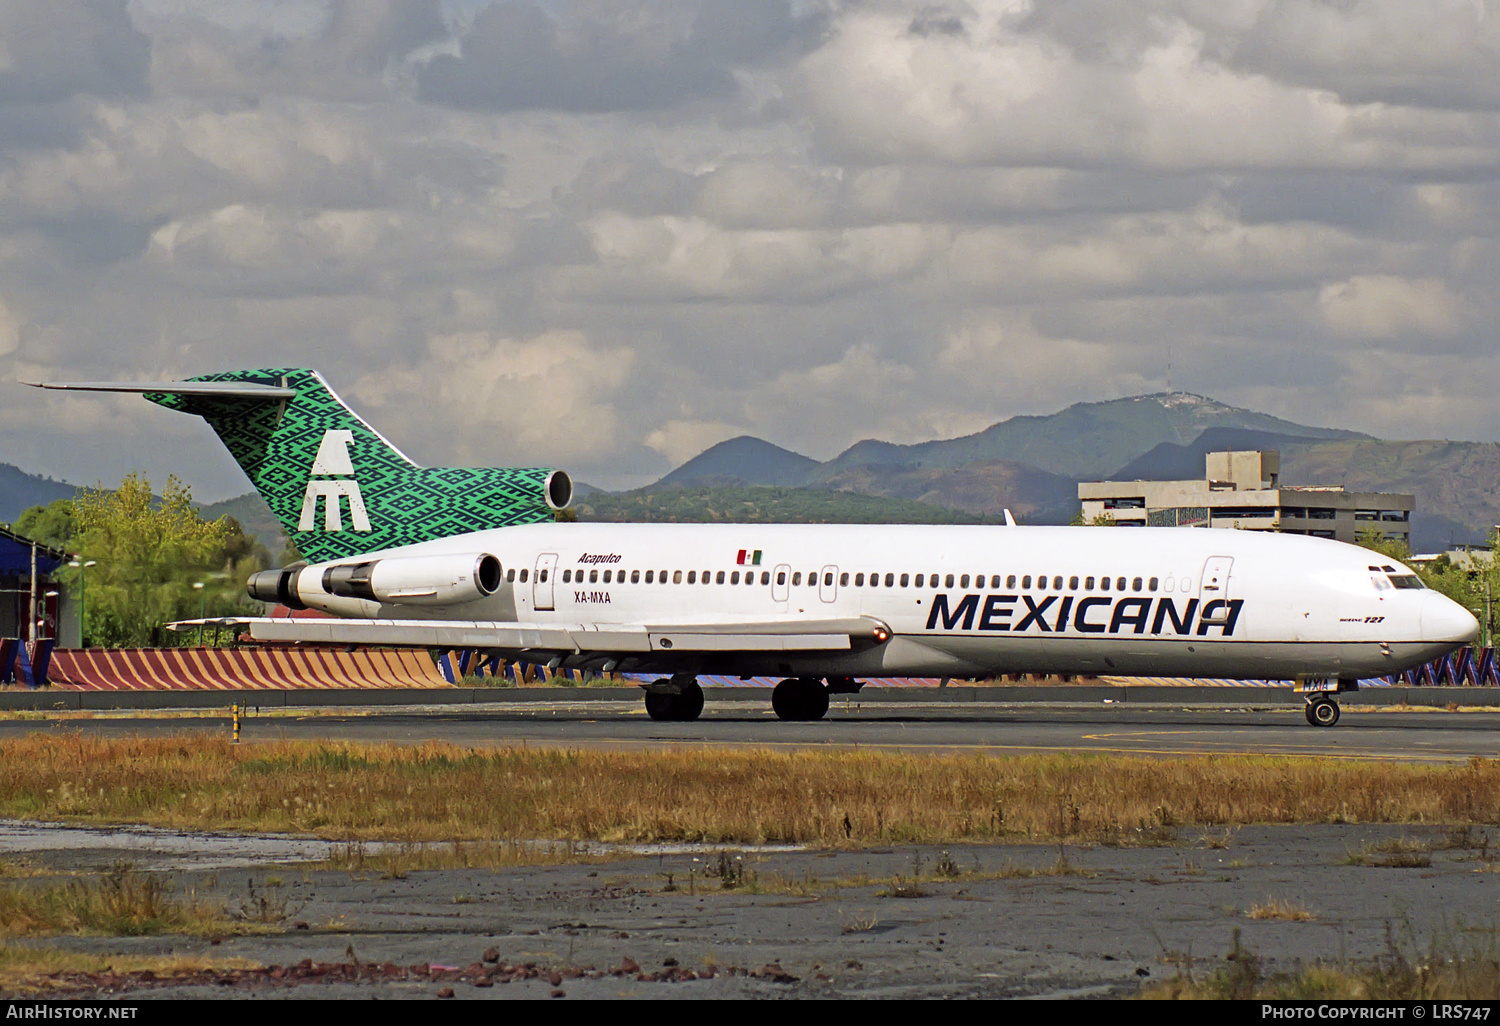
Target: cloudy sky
606,234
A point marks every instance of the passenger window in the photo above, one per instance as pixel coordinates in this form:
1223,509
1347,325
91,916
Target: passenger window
542,577
843,580
708,577
859,580
1057,583
1010,582
510,575
593,576
950,581
567,576
1151,584
828,580
995,581
676,576
797,578
692,577
734,578
963,582
650,577
1072,584
719,579
905,578
606,576
932,580
890,580
1026,581
1088,584
1104,584
781,578
1119,584
523,576
918,582
1135,585
1041,582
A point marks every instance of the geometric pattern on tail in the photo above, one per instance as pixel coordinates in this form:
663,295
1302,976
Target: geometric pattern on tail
314,451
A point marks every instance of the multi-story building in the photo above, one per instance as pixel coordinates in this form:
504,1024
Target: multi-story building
1242,489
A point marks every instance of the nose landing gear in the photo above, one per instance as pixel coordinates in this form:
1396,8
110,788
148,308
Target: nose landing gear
1322,711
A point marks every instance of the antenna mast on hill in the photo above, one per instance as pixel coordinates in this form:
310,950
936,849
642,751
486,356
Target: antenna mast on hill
1169,370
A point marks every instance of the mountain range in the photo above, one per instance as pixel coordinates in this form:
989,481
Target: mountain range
1030,465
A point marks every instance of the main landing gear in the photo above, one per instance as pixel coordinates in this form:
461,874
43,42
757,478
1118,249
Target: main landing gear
676,698
800,698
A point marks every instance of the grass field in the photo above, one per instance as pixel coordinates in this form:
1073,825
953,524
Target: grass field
443,792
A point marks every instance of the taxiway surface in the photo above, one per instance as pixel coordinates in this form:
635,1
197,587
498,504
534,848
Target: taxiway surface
1426,736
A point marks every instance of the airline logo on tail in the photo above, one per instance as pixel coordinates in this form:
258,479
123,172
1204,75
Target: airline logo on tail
333,460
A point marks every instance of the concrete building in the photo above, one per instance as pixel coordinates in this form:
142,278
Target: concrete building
1243,490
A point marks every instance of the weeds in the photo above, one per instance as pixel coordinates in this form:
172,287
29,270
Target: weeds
1397,853
1279,909
119,903
1454,965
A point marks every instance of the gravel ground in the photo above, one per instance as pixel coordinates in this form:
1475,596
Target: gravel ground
1015,920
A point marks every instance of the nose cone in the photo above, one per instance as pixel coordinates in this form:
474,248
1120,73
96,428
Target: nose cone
1446,620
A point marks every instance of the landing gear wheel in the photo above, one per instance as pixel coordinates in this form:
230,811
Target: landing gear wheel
660,705
686,705
817,701
800,698
1322,713
690,702
784,700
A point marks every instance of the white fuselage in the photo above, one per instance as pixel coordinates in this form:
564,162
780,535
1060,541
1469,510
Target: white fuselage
964,601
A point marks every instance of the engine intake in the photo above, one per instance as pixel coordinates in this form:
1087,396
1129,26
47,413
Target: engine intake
416,580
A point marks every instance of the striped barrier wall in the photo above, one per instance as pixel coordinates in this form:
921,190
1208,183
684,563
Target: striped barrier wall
222,669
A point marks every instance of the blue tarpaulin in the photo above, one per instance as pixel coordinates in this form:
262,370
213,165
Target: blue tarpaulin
15,556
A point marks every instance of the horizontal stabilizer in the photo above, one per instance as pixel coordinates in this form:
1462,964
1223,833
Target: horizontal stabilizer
218,389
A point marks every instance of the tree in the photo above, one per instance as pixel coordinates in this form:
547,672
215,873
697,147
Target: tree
148,554
54,524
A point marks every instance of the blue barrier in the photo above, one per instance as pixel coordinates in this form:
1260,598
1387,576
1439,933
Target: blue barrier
25,664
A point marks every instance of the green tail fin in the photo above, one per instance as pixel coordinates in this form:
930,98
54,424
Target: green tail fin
338,488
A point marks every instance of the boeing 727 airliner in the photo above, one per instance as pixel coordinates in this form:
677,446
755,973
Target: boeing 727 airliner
456,558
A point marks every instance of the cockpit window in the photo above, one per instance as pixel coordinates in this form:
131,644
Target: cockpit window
1406,581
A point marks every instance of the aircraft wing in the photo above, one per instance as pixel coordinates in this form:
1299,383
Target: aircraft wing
608,639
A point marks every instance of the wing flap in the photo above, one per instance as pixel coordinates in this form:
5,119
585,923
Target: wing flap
805,636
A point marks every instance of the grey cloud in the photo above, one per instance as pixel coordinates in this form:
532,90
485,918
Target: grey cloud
596,57
360,40
62,48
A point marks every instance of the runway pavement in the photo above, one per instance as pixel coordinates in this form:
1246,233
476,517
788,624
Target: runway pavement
1273,727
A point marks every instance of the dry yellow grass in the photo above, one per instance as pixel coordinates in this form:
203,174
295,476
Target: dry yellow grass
436,791
120,903
1281,909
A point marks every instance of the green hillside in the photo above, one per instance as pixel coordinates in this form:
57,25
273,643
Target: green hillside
730,505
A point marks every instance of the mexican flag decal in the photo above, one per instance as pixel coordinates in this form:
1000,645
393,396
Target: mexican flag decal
748,558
